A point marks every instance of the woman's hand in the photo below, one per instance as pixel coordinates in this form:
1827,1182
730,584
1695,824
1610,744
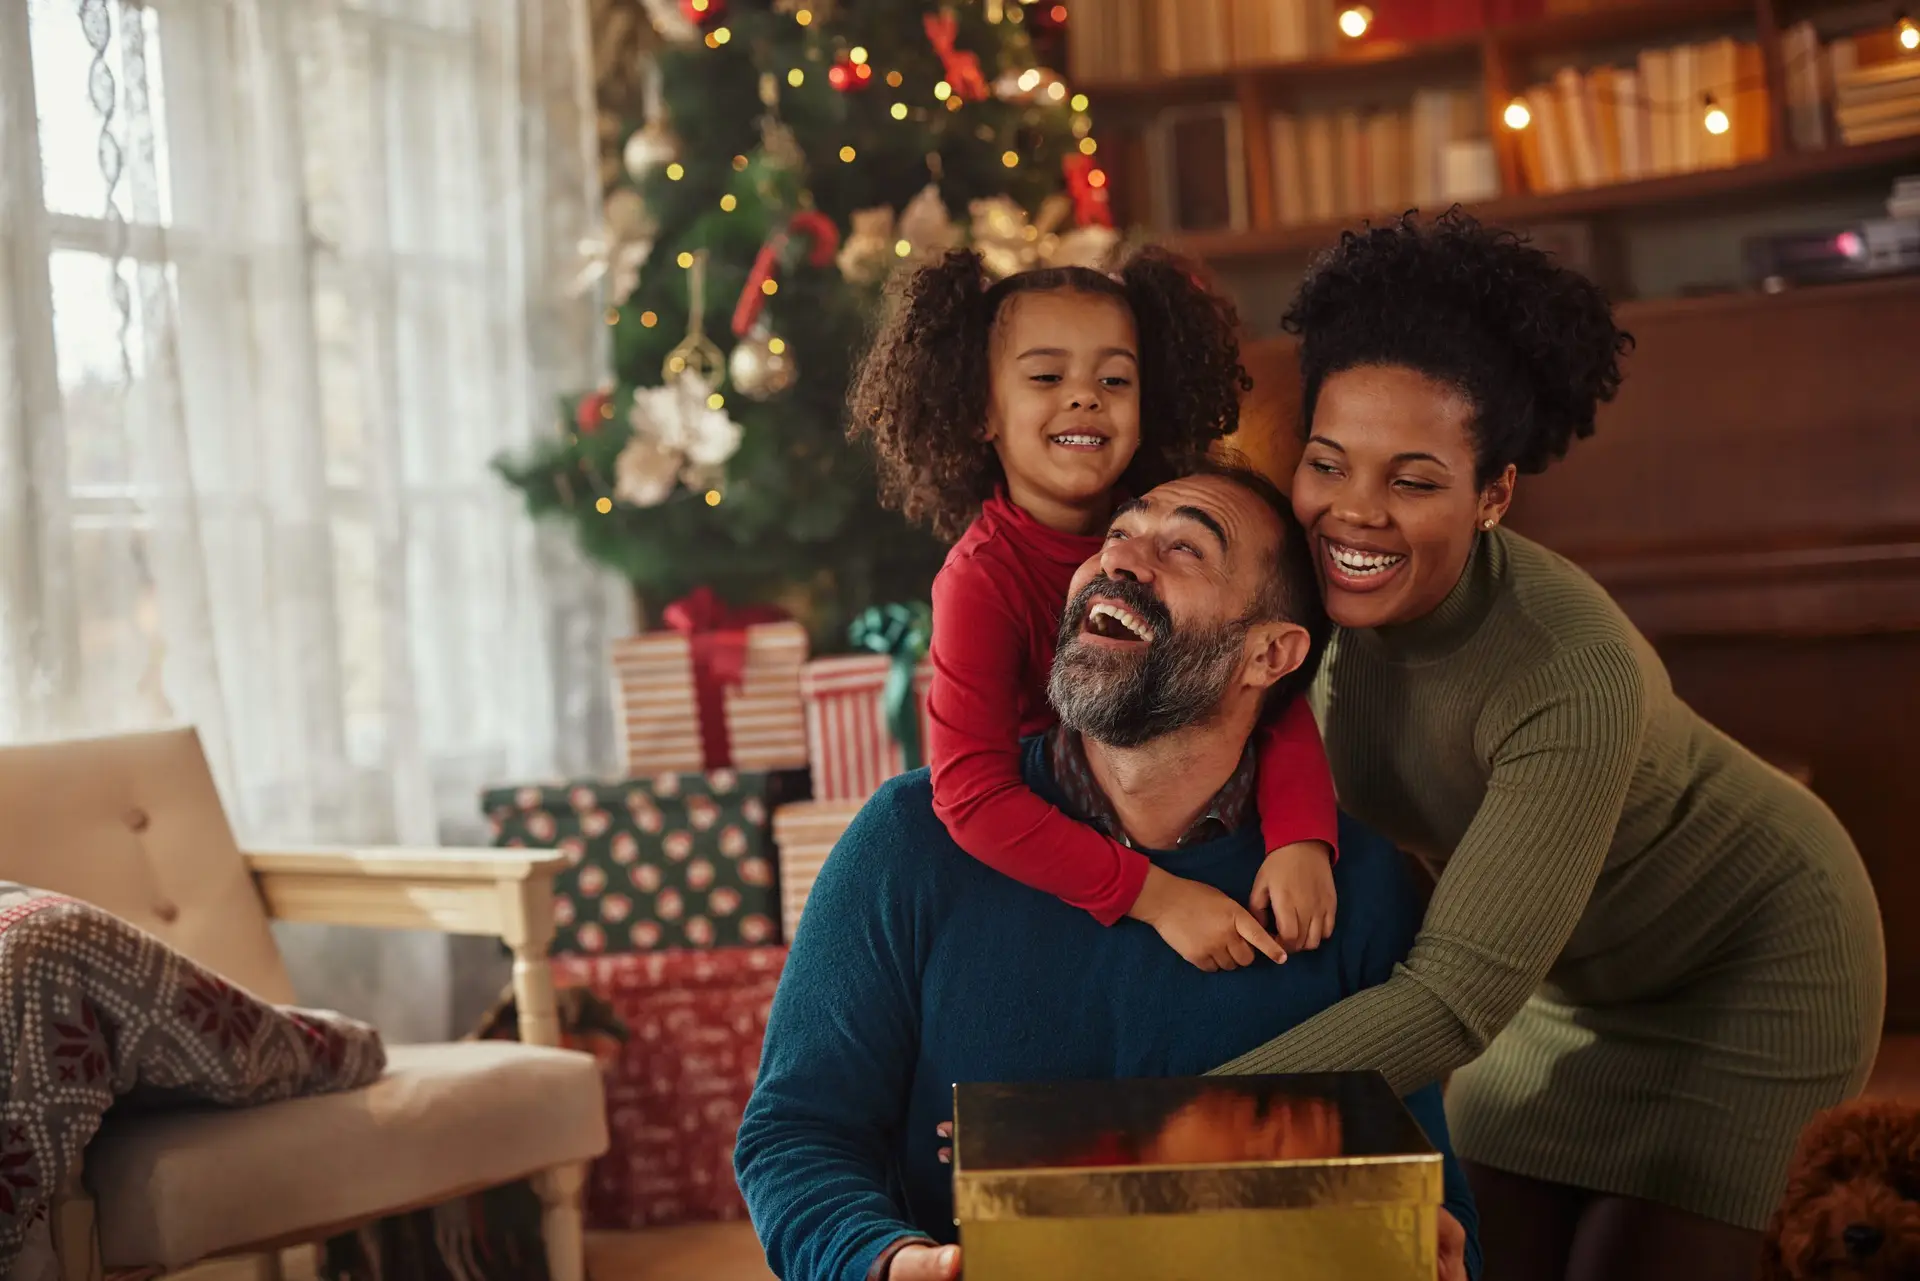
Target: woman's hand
1453,1248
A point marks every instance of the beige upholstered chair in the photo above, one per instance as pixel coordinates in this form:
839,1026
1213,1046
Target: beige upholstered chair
134,825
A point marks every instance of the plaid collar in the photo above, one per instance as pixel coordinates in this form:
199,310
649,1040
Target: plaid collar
1082,799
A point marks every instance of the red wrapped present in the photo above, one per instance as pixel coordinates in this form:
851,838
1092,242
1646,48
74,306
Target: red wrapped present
849,745
717,689
677,1090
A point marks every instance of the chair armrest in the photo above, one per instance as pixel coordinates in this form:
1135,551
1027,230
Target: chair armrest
506,892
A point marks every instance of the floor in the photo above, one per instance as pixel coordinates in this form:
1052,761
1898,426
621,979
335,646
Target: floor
696,1252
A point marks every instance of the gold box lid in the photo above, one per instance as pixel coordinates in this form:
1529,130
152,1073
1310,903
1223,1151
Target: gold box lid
1072,1149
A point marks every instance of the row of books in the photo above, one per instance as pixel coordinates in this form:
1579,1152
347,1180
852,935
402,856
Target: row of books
1676,111
1858,89
1343,164
1120,40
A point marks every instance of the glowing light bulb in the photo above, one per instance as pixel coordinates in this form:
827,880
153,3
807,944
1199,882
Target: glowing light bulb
1354,21
899,111
1056,91
1029,80
901,248
777,346
716,401
648,319
1088,146
895,80
803,16
728,202
676,171
1717,121
1908,33
769,287
847,154
721,35
943,91
603,505
713,498
796,77
1011,159
857,55
1517,116
685,260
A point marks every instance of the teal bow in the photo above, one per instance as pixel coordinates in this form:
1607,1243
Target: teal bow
902,633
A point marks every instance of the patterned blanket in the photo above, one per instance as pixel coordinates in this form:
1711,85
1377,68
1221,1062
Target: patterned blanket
93,1010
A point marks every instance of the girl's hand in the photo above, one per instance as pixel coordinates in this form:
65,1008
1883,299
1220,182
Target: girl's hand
1296,883
1203,925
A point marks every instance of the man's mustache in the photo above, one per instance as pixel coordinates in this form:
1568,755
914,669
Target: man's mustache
1135,595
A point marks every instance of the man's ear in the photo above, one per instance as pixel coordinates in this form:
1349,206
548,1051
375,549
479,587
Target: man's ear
1274,650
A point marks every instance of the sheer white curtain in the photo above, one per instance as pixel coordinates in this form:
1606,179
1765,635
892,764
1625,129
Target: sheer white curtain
277,278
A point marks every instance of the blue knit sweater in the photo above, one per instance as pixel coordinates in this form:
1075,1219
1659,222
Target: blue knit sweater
916,966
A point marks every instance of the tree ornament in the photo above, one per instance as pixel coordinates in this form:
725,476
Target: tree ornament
1087,185
670,22
1046,16
962,68
651,147
926,226
848,76
761,366
695,354
645,472
869,254
592,411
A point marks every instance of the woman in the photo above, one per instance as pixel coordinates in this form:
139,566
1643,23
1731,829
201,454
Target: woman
1676,947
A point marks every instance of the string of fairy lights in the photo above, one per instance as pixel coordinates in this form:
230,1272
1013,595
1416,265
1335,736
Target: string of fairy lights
1355,21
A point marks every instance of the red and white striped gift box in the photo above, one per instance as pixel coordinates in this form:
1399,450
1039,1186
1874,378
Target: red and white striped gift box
847,740
659,712
805,833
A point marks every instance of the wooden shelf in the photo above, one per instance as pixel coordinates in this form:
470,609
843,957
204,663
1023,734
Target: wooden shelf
1653,194
1643,21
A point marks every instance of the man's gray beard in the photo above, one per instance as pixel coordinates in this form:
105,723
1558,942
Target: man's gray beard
1124,698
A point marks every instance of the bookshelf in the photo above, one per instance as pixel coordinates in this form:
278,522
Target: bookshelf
1676,191
1504,59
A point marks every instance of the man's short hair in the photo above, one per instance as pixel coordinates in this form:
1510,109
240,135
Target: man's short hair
1290,591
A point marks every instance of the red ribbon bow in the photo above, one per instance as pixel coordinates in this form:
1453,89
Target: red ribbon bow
962,68
1090,207
717,639
817,228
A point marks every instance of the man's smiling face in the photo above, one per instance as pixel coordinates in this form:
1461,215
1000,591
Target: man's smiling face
1158,624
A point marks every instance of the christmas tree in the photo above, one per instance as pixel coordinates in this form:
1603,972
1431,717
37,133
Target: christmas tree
790,156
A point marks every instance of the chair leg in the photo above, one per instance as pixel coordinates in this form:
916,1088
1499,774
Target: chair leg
76,1240
561,1224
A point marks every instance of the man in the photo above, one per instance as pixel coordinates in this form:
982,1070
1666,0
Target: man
916,966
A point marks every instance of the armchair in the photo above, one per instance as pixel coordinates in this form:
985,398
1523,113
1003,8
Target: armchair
134,825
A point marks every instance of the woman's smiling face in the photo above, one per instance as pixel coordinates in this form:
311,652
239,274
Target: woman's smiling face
1387,489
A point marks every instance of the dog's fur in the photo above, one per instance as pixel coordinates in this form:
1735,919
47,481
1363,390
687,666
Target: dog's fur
1858,1167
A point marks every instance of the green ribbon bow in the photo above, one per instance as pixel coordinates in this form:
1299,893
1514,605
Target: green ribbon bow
901,632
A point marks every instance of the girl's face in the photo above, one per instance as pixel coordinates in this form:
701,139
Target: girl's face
1064,407
1385,489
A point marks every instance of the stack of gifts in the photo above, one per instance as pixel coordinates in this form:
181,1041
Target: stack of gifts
866,721
669,909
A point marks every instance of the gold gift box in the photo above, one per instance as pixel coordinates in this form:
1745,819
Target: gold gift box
1306,1177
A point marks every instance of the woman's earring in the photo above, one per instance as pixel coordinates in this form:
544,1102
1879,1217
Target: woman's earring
1487,523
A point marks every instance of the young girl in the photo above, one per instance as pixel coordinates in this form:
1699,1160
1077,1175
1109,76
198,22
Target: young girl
1013,416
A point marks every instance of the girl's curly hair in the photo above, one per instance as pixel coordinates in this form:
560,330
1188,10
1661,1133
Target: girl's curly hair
1531,344
921,395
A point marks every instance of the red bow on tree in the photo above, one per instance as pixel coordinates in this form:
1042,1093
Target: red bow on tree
962,68
1090,207
717,639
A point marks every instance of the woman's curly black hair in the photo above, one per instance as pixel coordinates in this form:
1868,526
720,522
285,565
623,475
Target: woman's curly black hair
921,395
1531,344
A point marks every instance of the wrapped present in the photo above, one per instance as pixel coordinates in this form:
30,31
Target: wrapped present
719,688
866,714
1085,1180
805,833
679,1086
678,860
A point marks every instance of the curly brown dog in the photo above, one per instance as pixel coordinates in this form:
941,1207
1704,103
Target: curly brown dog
1852,1206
